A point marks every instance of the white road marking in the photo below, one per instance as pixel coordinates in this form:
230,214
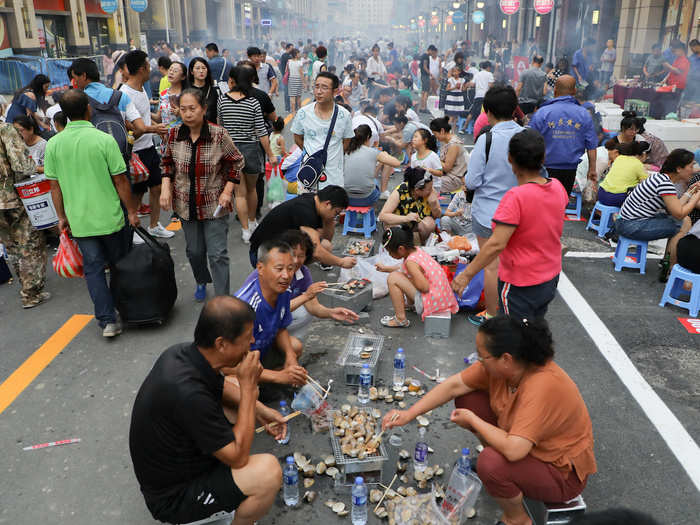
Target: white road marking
669,427
602,255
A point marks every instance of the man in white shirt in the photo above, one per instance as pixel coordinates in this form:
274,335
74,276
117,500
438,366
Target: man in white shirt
139,72
312,122
369,116
483,80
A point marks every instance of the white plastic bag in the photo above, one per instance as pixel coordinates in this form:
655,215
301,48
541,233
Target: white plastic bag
365,269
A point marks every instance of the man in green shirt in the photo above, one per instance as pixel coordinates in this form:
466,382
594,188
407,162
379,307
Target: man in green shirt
88,179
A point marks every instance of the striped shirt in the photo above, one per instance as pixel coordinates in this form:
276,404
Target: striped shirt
646,200
243,119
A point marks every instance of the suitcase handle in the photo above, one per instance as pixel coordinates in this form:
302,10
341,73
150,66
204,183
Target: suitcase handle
148,238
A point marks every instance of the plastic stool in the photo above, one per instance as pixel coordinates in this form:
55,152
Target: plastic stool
220,518
289,196
360,220
576,210
554,513
674,290
639,251
604,223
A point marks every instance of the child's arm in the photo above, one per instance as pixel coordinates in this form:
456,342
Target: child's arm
281,144
387,269
417,277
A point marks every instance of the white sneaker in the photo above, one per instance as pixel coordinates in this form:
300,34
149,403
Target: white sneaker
384,195
159,231
138,239
245,234
112,330
252,225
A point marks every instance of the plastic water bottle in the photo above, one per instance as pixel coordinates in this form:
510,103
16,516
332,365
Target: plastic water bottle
464,465
420,456
399,368
291,483
359,502
365,382
471,359
284,410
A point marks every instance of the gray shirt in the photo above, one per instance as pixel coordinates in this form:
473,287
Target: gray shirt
533,80
655,64
359,171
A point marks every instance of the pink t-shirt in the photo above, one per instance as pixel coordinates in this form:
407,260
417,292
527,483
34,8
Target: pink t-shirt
533,253
481,121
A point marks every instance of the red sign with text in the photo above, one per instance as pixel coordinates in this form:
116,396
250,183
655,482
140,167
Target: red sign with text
509,7
690,324
543,6
520,64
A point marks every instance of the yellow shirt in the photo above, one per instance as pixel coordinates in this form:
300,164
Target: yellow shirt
164,83
626,172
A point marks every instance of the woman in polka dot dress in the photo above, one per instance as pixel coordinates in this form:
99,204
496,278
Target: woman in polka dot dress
420,283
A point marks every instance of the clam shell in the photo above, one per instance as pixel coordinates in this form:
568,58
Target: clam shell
339,432
338,507
422,484
402,404
362,454
404,454
300,460
430,450
329,461
418,475
321,468
309,496
345,409
396,388
330,503
308,482
373,393
375,495
331,471
404,478
480,448
399,396
410,491
381,513
470,513
414,394
389,399
400,466
421,392
354,411
422,421
401,490
439,471
308,471
344,512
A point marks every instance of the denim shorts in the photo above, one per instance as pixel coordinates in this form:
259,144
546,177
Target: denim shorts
661,226
481,231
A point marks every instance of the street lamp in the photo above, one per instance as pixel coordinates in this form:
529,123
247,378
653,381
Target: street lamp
480,5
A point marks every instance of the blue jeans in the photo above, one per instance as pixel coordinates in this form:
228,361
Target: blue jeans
287,105
98,252
365,201
661,226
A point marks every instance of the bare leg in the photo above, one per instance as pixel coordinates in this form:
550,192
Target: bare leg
423,99
425,228
490,282
672,245
241,191
154,202
251,196
260,480
386,174
513,511
399,289
297,345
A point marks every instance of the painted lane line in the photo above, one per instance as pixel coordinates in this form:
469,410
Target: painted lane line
602,255
289,117
669,427
35,363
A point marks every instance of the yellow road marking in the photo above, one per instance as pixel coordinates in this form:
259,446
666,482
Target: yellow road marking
32,367
289,117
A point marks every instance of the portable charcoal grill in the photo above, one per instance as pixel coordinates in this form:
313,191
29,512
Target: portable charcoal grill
367,242
356,301
370,468
350,358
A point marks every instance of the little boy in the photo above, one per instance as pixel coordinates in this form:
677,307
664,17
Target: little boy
457,219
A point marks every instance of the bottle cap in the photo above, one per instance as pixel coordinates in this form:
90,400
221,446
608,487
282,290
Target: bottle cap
465,451
366,365
283,403
359,480
290,460
400,350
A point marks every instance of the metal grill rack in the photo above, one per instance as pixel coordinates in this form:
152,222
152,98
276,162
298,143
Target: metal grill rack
350,358
370,467
369,242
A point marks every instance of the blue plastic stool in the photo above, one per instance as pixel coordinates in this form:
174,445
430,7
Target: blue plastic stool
289,196
639,251
576,210
674,290
360,220
604,223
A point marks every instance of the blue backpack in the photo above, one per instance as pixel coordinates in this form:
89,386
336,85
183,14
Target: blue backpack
312,170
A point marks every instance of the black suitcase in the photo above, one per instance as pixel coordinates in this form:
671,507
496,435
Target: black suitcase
143,282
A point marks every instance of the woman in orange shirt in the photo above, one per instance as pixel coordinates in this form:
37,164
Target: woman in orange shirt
534,446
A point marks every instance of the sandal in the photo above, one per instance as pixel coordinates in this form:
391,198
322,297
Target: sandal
392,322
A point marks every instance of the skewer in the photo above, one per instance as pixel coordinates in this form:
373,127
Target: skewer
385,491
286,418
432,378
385,487
316,383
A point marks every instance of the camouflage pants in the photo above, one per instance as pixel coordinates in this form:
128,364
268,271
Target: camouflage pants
26,248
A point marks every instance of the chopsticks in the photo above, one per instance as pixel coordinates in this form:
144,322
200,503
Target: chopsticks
385,491
316,383
286,418
387,488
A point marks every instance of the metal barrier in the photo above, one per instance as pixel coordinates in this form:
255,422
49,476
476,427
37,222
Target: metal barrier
17,71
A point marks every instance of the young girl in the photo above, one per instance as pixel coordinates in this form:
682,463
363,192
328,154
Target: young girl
277,140
624,174
29,131
419,282
454,101
425,155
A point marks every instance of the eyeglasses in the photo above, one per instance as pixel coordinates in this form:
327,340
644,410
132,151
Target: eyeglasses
320,87
428,177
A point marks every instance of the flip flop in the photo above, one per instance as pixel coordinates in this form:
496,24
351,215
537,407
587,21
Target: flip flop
392,322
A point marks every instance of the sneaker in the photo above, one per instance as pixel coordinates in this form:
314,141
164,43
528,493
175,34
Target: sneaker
479,319
245,235
251,226
143,210
200,293
384,195
159,231
36,301
112,330
137,239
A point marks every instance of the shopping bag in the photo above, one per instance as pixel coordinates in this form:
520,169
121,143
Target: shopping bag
68,261
275,187
138,172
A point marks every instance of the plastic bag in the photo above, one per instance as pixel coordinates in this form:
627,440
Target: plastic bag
138,172
590,193
68,261
275,187
364,269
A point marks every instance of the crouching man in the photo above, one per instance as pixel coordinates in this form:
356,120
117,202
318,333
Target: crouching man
190,462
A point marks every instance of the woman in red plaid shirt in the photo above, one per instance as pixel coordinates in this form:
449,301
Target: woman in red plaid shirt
200,166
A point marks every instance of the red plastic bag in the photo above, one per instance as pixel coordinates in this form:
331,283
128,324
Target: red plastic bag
138,172
68,261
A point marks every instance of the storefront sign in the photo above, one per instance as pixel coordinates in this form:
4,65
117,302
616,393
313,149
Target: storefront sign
139,5
543,6
109,6
509,7
266,22
458,17
478,17
434,20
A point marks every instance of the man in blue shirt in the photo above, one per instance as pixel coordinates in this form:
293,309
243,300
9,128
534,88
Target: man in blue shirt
218,66
568,131
270,297
692,86
582,63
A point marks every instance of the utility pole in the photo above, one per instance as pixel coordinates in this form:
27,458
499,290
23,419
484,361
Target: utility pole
167,21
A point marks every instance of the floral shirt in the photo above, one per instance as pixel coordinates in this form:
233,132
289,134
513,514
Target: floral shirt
200,170
15,166
409,204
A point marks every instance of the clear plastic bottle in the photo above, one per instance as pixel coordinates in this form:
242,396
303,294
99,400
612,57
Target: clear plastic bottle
359,502
365,382
284,410
291,483
399,368
420,456
471,359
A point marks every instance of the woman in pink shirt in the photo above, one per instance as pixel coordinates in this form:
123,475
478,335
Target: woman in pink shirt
527,228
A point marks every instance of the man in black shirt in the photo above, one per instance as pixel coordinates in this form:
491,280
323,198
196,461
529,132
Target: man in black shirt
312,213
425,86
190,463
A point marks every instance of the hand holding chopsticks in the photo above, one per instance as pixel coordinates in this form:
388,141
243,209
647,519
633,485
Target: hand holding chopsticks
275,423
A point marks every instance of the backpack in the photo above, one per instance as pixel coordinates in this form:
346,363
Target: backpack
312,170
107,117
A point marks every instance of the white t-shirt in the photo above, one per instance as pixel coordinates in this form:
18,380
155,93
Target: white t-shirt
375,67
481,83
431,161
140,101
316,69
412,115
434,67
373,123
315,130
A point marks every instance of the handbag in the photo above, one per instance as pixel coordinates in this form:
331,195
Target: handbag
138,172
312,170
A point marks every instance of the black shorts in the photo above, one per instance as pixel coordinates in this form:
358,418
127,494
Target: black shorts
526,302
425,83
151,159
689,253
274,358
214,492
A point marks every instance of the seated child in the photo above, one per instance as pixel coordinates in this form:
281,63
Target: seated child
419,283
277,140
457,218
